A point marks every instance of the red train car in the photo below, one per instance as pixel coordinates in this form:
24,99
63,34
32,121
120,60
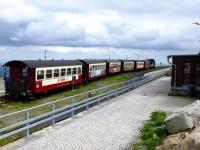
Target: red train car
139,65
113,66
93,69
152,63
128,65
27,77
147,64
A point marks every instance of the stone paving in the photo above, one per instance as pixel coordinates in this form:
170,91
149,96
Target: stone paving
113,125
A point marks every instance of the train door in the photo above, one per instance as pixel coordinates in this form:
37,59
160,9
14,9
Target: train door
14,81
7,79
23,81
84,72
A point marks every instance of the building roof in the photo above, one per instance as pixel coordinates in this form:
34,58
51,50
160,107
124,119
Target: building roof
190,55
44,63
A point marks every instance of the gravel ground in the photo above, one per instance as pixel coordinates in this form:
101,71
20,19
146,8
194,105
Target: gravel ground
113,125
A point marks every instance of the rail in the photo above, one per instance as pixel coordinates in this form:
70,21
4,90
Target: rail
29,120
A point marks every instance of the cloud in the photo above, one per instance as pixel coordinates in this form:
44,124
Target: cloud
82,26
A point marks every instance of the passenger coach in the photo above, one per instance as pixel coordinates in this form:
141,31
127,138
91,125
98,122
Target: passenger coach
140,65
113,66
27,77
93,68
128,65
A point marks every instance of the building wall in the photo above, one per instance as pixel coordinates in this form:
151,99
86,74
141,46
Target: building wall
179,61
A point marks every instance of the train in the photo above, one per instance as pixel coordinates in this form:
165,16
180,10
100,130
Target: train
24,78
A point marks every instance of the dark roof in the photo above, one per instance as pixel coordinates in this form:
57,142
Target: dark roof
151,59
93,61
112,60
128,60
45,63
190,55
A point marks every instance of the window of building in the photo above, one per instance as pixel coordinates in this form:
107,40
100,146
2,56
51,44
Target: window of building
74,71
63,72
69,71
40,74
198,73
25,72
7,73
56,73
79,70
187,69
48,74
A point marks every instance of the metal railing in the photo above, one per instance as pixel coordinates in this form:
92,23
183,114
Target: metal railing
29,120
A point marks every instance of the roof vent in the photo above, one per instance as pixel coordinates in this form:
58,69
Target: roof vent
39,59
62,59
52,59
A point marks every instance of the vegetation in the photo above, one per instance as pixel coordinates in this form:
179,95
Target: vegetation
153,132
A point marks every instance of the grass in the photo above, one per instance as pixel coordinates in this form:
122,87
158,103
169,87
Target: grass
153,132
12,106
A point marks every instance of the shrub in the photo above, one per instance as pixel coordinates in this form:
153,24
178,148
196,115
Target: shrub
153,131
158,117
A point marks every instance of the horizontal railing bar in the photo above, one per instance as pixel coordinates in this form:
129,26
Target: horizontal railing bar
48,103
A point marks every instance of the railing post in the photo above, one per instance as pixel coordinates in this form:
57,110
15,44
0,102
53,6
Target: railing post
87,106
99,101
27,124
72,102
53,113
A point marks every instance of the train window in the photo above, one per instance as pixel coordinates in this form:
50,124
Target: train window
90,68
24,72
63,72
48,74
40,74
69,71
74,71
56,72
79,70
7,73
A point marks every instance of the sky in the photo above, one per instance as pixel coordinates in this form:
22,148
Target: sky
79,29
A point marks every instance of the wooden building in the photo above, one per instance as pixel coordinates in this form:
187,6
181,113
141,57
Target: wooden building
185,73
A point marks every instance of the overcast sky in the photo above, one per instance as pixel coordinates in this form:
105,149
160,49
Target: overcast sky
72,29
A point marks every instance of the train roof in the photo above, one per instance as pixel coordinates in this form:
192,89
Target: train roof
44,63
112,60
92,61
128,60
